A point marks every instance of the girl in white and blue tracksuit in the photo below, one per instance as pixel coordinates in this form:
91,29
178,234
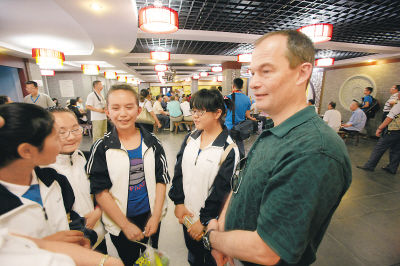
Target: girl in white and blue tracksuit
203,171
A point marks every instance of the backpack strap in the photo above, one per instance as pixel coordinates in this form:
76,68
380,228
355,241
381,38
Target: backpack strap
226,152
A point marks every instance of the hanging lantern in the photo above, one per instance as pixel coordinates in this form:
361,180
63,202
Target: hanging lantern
110,75
122,79
160,74
46,72
216,69
160,68
90,69
244,58
48,58
220,78
324,62
161,56
318,33
195,76
158,19
203,74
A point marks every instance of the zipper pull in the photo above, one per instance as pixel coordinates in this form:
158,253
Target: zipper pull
45,214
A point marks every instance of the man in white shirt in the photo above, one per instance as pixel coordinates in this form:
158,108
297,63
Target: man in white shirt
96,103
393,99
37,98
162,116
333,117
185,107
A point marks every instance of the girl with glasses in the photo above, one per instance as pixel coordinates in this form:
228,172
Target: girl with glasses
71,163
35,200
203,171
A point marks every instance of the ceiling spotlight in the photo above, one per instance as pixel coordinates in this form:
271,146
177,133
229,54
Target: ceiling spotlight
216,69
161,56
203,74
160,68
96,6
196,76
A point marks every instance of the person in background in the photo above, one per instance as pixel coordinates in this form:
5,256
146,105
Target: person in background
185,107
285,192
35,97
390,140
128,174
96,103
333,117
79,104
71,163
357,120
162,116
312,102
242,107
164,103
175,112
72,106
201,180
393,99
145,102
35,200
367,99
5,99
55,100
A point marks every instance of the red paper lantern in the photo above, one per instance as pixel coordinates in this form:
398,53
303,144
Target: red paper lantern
324,62
155,19
318,33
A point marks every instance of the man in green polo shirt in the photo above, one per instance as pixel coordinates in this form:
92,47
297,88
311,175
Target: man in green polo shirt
296,173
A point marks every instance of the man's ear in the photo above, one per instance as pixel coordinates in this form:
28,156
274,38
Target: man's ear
26,150
305,71
139,110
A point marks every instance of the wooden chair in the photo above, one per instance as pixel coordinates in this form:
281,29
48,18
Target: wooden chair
177,124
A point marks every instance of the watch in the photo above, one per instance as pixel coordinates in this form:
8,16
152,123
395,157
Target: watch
206,240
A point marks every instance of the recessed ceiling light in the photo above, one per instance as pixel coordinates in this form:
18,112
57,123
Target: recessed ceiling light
96,6
371,60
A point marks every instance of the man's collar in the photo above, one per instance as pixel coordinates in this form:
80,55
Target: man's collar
295,120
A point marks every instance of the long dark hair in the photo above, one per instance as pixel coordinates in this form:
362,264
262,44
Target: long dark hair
24,123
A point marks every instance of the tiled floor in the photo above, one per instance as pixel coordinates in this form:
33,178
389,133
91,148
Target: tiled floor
365,229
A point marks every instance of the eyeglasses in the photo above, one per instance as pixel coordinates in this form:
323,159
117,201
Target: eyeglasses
198,112
236,179
63,134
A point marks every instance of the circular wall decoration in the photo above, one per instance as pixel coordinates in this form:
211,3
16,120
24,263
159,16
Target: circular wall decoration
353,88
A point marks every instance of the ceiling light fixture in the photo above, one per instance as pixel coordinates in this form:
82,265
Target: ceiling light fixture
244,58
161,74
122,79
90,69
48,58
216,69
321,32
110,75
160,68
324,62
203,74
161,56
158,19
220,78
196,76
46,72
96,6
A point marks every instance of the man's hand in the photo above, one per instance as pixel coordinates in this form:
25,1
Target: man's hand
159,125
220,258
92,218
70,236
196,230
378,132
152,226
132,232
181,211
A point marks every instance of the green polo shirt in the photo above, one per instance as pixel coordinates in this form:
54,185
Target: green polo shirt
295,176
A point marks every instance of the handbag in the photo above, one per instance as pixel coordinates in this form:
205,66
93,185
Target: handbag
242,130
145,117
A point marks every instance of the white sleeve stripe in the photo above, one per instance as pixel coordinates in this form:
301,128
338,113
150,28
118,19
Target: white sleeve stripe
91,158
165,170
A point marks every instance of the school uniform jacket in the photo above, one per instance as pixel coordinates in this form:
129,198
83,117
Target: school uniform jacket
109,165
72,166
199,181
27,217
